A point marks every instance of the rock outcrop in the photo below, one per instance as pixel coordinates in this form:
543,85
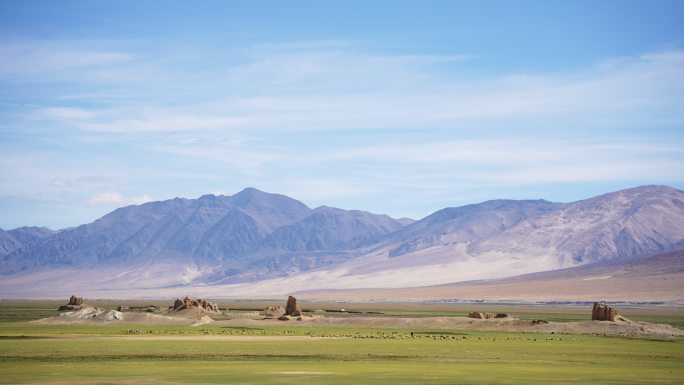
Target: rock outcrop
479,315
139,309
194,303
292,308
75,303
603,312
273,312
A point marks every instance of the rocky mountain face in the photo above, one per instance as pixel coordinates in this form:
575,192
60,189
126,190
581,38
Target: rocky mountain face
618,225
326,237
504,238
467,224
29,235
8,243
20,238
332,229
211,233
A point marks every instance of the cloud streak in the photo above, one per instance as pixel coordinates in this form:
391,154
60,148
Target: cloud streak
334,87
326,120
116,199
37,61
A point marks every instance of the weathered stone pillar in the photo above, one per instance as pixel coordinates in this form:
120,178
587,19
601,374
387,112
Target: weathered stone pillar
292,308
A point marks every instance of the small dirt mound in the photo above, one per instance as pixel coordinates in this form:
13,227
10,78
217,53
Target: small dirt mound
203,321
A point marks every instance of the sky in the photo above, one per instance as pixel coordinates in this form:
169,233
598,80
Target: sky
395,107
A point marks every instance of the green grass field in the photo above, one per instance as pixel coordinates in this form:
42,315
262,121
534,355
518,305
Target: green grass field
209,354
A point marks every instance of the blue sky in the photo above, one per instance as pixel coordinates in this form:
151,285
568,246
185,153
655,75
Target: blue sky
397,107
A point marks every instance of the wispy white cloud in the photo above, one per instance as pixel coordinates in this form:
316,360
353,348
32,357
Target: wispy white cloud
161,122
508,162
323,86
67,113
116,199
349,170
324,189
46,60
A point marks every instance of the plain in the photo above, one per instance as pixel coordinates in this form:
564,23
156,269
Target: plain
285,353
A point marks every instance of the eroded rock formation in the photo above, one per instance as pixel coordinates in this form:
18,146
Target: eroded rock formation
292,308
178,303
75,303
273,312
480,315
603,312
194,303
139,309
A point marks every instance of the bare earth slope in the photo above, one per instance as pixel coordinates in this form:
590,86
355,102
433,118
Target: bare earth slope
658,277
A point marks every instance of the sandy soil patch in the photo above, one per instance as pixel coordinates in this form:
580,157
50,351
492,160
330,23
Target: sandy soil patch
95,315
510,324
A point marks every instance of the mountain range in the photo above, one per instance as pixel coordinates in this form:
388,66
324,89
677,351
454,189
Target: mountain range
254,243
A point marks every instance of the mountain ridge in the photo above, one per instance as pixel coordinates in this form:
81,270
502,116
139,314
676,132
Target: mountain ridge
468,221
255,241
198,232
611,225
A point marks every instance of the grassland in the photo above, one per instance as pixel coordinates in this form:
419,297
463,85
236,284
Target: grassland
283,354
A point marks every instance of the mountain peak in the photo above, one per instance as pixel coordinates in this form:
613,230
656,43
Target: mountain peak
631,196
34,228
328,209
651,189
250,190
247,194
654,188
